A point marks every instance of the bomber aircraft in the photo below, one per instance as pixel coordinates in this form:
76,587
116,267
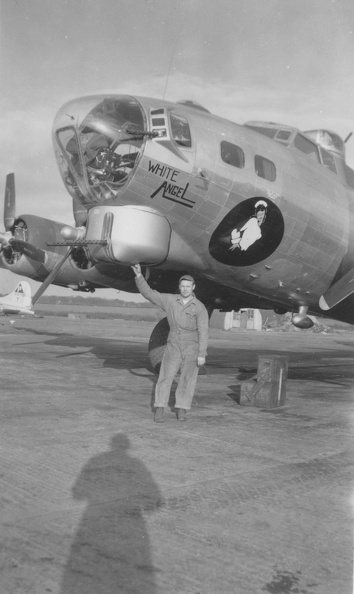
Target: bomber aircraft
261,213
18,301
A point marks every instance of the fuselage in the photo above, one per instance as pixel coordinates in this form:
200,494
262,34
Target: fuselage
204,174
261,214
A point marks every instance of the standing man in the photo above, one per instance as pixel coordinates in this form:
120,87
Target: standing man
186,344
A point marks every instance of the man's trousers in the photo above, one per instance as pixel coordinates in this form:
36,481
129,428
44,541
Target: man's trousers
179,353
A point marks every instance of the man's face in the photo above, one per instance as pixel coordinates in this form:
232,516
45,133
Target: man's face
186,288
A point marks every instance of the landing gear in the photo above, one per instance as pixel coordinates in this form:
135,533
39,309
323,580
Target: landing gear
157,343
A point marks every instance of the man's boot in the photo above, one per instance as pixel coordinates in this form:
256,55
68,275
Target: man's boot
158,416
181,414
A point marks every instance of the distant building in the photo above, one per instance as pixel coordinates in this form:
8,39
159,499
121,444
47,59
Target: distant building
244,319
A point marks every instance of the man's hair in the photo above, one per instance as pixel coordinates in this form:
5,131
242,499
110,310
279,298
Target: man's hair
187,277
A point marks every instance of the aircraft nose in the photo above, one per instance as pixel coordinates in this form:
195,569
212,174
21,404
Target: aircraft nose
97,143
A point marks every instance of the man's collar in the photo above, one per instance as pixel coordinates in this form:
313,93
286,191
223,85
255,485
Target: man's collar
180,299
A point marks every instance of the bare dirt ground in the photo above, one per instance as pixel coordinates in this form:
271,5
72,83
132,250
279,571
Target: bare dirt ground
98,499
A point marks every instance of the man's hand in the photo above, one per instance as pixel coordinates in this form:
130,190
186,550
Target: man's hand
137,269
200,361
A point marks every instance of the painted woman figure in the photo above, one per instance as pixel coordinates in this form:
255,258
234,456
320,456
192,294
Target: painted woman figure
251,231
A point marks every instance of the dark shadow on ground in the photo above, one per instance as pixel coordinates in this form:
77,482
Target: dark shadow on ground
119,354
325,365
111,549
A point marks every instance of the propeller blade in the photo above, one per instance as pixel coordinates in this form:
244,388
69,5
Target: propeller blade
80,213
28,249
51,276
10,202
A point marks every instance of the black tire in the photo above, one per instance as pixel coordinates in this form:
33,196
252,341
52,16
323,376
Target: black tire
157,343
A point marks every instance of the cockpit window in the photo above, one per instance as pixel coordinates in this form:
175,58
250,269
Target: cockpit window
283,135
328,140
180,130
306,146
270,132
276,133
328,160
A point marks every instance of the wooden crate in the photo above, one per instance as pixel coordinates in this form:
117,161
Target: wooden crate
270,389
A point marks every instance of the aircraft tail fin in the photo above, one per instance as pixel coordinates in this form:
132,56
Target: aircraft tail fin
19,301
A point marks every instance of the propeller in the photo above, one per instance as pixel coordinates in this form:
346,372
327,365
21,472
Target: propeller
51,276
7,238
28,249
10,202
342,289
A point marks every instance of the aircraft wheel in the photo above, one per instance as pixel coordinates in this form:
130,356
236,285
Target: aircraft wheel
157,343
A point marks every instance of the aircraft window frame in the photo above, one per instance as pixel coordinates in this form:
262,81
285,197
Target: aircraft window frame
268,132
265,168
328,160
70,168
234,155
158,123
307,147
63,142
181,134
283,135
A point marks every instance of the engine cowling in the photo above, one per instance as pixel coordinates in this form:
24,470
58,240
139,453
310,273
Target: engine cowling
133,234
39,232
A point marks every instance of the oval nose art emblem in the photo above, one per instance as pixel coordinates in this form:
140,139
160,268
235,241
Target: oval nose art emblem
248,234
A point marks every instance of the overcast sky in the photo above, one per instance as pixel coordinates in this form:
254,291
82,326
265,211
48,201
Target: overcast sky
290,61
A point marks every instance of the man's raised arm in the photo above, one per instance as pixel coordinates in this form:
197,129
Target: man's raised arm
146,291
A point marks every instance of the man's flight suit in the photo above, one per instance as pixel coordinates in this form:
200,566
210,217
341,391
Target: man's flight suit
187,340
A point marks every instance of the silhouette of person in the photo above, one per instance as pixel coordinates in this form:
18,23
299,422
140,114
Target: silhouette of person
110,553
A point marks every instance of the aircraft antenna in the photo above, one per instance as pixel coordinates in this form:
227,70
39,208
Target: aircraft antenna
349,135
174,50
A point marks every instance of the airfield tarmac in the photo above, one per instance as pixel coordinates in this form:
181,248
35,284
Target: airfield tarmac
96,498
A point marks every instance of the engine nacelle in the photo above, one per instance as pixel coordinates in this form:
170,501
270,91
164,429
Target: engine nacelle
39,232
133,233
